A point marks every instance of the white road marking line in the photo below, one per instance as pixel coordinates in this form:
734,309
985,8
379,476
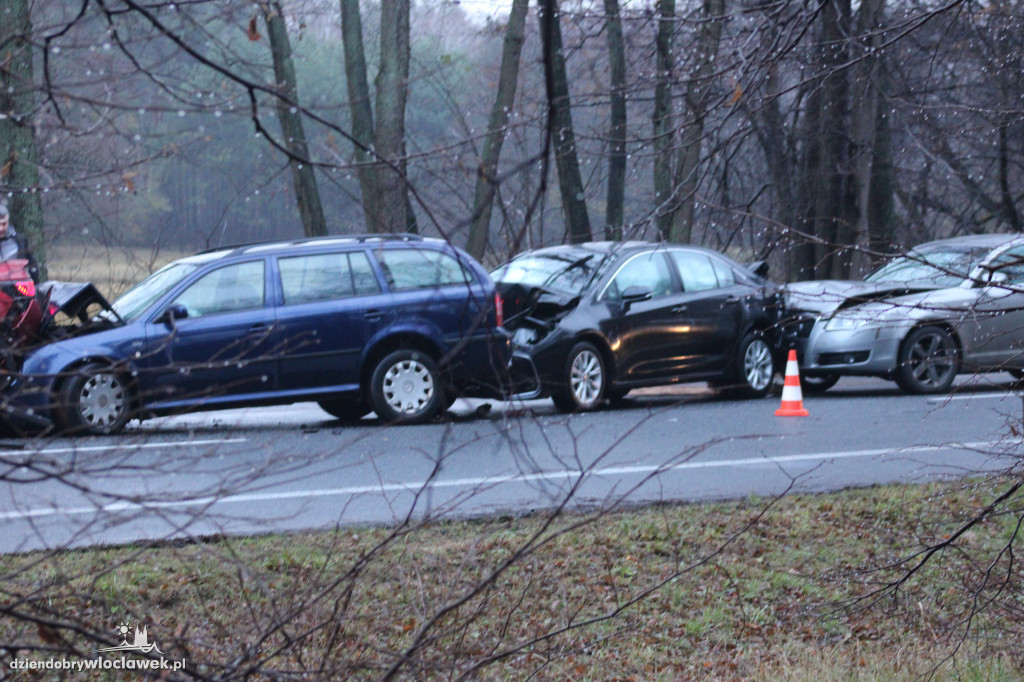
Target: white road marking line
975,396
484,481
23,454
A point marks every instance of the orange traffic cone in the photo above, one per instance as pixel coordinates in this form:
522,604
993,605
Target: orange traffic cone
792,396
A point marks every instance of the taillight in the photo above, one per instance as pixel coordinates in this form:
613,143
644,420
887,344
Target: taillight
499,310
27,288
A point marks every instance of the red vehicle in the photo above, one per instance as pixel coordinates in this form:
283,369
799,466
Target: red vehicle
22,309
33,314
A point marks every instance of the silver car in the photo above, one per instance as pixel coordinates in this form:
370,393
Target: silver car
922,331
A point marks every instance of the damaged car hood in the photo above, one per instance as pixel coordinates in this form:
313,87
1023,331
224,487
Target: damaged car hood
522,302
823,297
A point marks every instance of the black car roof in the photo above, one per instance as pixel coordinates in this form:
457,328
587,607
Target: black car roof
607,248
603,247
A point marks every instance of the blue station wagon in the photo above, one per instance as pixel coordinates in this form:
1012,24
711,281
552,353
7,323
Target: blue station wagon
399,325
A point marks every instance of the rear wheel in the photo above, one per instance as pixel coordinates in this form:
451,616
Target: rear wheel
406,388
584,380
928,361
95,400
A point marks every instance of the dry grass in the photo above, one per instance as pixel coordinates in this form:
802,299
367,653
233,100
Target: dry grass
111,270
744,591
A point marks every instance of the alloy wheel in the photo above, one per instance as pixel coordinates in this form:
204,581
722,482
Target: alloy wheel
586,377
757,365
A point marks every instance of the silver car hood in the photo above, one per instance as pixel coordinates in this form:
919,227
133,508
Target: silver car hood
823,297
945,303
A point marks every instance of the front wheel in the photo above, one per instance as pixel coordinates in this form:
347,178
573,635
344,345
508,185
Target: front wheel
95,400
754,369
928,361
406,388
584,380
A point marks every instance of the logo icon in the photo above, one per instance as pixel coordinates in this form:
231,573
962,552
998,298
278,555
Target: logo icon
140,642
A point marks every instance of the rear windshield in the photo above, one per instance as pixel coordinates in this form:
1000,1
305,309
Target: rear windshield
562,273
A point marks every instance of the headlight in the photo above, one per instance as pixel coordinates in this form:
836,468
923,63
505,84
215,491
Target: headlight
846,324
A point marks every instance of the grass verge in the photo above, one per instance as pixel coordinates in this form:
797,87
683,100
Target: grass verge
804,588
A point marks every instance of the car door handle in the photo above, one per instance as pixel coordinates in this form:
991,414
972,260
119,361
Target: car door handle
731,300
373,315
679,309
260,328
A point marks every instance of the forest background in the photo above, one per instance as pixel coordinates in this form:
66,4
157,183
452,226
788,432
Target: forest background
819,135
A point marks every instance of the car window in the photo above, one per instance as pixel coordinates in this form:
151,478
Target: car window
647,270
695,270
228,289
1010,264
137,300
326,276
725,274
421,269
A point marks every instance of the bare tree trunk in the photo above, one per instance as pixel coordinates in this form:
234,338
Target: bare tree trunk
362,113
19,170
688,167
570,182
487,175
881,200
614,208
1009,206
844,190
775,139
868,144
303,175
831,205
392,90
662,118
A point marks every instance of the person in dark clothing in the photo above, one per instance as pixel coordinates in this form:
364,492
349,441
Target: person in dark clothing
11,245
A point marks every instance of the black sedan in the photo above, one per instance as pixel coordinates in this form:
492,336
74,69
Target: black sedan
592,321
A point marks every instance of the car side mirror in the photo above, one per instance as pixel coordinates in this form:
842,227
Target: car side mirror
759,268
635,293
997,278
174,312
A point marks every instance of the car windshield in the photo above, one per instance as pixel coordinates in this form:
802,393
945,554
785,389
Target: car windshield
561,273
945,268
137,300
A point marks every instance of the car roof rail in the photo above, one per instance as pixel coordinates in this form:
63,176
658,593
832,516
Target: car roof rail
360,238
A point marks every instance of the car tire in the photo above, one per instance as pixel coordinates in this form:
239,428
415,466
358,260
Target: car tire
818,384
928,361
406,387
345,410
95,400
754,368
584,380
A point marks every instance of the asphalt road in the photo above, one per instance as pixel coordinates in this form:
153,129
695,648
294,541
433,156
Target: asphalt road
270,469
